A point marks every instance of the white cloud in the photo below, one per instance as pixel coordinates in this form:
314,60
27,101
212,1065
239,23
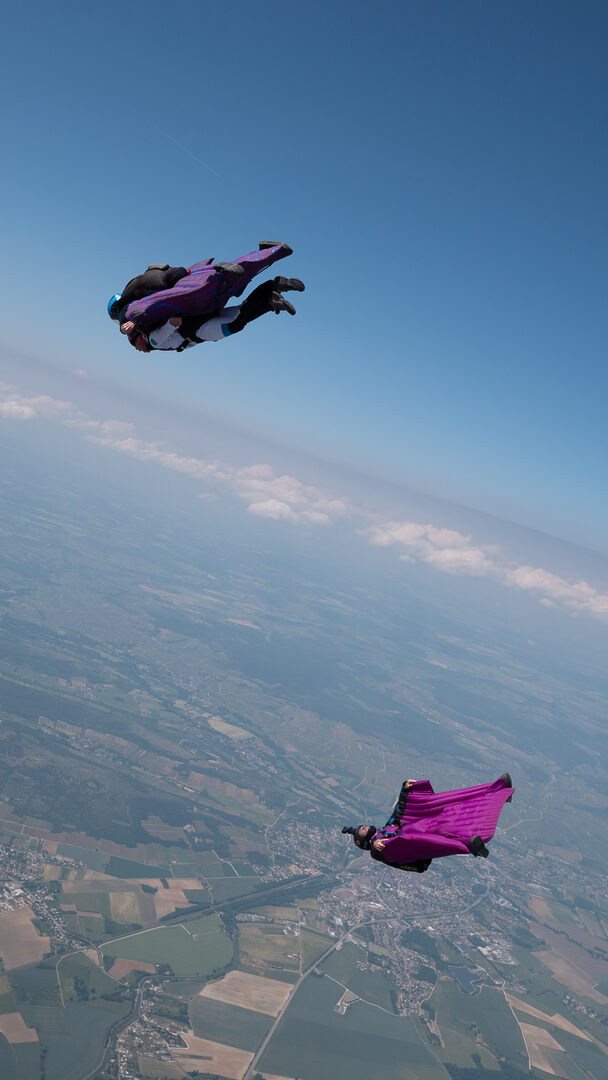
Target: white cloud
276,497
14,410
454,553
24,408
81,373
273,508
52,408
445,549
553,589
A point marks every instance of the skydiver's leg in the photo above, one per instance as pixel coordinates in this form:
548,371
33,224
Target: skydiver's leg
289,284
478,848
265,298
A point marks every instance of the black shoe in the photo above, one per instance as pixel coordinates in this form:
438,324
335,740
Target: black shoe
508,783
289,284
263,244
230,268
279,303
478,848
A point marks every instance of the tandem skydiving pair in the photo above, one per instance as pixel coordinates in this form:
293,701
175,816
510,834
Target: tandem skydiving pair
174,307
425,825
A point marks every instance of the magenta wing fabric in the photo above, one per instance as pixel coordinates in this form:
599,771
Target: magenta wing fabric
443,823
202,292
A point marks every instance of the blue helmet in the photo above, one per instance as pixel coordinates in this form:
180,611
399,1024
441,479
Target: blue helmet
113,306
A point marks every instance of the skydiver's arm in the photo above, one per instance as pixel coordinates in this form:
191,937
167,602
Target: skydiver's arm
154,279
399,807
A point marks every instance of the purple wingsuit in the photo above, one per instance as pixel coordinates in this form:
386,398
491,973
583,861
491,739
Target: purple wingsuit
437,824
202,292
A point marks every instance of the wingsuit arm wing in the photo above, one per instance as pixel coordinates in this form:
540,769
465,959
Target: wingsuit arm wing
404,849
419,786
154,279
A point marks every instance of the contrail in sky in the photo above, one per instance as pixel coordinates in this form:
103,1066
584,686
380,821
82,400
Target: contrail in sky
187,151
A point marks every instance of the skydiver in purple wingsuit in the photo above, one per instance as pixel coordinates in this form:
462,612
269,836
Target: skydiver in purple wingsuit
173,308
425,825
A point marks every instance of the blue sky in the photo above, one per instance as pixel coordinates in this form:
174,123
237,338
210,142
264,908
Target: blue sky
440,170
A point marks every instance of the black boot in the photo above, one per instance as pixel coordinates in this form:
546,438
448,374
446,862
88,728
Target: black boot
289,284
263,244
230,268
508,783
279,303
478,848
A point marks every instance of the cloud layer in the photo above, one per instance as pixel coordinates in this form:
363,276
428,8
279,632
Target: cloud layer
284,498
455,553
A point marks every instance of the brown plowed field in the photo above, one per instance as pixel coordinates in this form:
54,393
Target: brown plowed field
13,1026
250,992
20,943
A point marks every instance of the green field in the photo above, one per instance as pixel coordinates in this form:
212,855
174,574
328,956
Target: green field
74,1035
95,860
243,868
75,1048
185,989
316,1043
20,1061
88,902
230,888
586,1055
79,976
35,986
461,1015
198,950
126,868
218,869
313,945
290,914
27,1058
158,1070
270,947
372,986
228,1024
8,1001
459,1047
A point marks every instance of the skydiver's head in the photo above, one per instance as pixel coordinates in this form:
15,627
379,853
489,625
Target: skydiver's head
114,307
140,343
135,336
362,835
